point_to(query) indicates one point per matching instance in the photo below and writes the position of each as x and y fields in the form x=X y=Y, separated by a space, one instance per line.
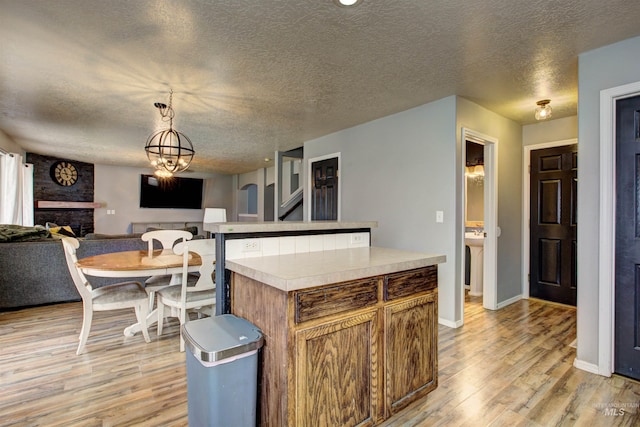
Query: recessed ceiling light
x=347 y=3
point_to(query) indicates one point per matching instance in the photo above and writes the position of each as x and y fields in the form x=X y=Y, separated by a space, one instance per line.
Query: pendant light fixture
x=543 y=109
x=168 y=150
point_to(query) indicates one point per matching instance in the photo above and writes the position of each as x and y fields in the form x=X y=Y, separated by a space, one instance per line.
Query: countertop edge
x=257 y=227
x=413 y=260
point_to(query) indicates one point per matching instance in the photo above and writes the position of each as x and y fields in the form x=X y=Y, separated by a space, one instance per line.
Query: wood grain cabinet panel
x=411 y=363
x=337 y=373
x=407 y=283
x=317 y=303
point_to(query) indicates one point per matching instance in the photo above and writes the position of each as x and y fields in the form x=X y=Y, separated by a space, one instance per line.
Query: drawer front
x=406 y=283
x=316 y=303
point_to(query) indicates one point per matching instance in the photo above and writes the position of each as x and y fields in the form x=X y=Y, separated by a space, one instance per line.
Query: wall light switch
x=439 y=216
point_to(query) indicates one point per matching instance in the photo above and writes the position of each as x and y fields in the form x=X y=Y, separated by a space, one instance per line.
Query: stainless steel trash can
x=222 y=371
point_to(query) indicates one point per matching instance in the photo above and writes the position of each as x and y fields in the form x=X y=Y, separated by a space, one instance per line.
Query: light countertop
x=270 y=226
x=305 y=270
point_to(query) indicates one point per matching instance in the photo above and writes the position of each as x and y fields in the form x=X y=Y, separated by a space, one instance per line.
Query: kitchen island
x=250 y=236
x=350 y=334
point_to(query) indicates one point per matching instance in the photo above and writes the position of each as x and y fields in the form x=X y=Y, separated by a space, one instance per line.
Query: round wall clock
x=64 y=173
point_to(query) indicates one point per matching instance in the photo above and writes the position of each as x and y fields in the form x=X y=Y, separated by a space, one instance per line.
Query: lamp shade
x=215 y=215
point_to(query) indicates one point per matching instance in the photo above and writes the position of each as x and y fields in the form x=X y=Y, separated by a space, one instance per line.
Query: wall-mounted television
x=173 y=193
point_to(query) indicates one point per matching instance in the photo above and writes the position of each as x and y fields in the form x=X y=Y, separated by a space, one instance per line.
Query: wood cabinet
x=345 y=354
x=411 y=363
x=337 y=372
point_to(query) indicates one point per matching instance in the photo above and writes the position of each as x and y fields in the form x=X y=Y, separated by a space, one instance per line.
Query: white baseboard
x=589 y=367
x=510 y=301
x=449 y=323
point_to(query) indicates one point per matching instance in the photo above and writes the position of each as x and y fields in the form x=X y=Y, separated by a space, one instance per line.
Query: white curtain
x=16 y=190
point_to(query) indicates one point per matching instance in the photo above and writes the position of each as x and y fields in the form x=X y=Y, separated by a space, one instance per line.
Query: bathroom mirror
x=474 y=185
x=474 y=200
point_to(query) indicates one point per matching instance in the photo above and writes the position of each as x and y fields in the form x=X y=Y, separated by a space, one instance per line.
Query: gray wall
x=550 y=131
x=399 y=170
x=611 y=66
x=509 y=134
x=7 y=144
x=118 y=188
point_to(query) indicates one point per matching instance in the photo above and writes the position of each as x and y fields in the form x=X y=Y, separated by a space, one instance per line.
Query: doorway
x=553 y=220
x=323 y=186
x=627 y=247
x=526 y=217
x=606 y=232
x=474 y=218
x=490 y=229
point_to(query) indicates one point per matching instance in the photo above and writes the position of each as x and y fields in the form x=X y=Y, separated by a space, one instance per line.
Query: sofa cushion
x=98 y=236
x=19 y=233
x=60 y=231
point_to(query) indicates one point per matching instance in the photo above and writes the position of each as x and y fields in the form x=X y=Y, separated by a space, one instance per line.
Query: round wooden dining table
x=138 y=264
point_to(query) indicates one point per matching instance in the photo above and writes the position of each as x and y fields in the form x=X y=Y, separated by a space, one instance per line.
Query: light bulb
x=346 y=3
x=543 y=109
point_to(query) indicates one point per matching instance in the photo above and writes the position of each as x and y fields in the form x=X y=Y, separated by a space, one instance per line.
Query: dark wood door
x=553 y=216
x=627 y=284
x=324 y=206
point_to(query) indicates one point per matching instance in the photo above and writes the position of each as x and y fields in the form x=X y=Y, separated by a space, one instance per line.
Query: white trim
x=526 y=192
x=607 y=228
x=509 y=301
x=490 y=265
x=589 y=367
x=276 y=186
x=310 y=181
x=449 y=323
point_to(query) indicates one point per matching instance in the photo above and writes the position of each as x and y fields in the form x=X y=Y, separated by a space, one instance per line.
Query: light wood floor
x=505 y=368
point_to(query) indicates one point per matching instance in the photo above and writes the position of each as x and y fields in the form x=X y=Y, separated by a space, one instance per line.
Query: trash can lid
x=220 y=337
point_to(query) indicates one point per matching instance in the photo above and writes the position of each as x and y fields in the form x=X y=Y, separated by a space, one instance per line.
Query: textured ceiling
x=78 y=78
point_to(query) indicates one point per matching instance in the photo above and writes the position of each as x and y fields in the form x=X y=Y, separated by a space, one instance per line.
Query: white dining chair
x=183 y=297
x=111 y=297
x=167 y=239
x=214 y=215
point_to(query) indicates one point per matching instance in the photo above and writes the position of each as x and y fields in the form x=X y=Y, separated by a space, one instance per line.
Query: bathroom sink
x=473 y=239
x=476 y=245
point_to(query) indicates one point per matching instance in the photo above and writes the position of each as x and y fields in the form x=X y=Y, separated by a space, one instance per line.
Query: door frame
x=490 y=261
x=309 y=182
x=607 y=229
x=526 y=205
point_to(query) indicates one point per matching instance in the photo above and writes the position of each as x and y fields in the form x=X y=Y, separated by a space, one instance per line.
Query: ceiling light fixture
x=543 y=109
x=168 y=150
x=475 y=173
x=347 y=3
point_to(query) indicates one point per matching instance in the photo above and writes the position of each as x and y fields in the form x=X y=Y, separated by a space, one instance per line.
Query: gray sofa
x=36 y=273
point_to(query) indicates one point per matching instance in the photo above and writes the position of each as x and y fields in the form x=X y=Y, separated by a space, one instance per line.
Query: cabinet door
x=337 y=373
x=411 y=363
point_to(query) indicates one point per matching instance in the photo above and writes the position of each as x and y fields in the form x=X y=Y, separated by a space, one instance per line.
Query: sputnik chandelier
x=168 y=150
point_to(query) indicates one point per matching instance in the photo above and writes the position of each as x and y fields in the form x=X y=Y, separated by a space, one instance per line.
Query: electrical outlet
x=251 y=245
x=439 y=216
x=357 y=239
